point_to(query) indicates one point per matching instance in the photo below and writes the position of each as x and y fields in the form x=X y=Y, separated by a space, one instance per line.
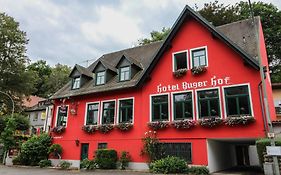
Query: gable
x=75 y=73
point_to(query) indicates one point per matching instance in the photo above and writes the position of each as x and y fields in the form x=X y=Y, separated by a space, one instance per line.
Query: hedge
x=106 y=158
x=261 y=147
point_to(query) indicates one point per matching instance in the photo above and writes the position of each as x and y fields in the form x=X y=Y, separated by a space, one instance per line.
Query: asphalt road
x=6 y=170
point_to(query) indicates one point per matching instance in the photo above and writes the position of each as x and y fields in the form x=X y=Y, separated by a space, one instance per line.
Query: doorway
x=84 y=151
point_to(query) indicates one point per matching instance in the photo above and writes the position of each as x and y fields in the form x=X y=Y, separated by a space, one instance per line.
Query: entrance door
x=84 y=150
x=242 y=154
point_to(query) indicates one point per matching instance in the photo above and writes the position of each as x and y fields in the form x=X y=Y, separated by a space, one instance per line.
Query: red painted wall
x=223 y=62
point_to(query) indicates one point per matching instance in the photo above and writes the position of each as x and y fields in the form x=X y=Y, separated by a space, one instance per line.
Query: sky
x=73 y=31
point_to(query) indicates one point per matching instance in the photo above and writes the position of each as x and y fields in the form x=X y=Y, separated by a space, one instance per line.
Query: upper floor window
x=208 y=103
x=62 y=116
x=126 y=111
x=180 y=60
x=199 y=57
x=159 y=108
x=182 y=106
x=108 y=112
x=125 y=73
x=100 y=78
x=277 y=105
x=92 y=114
x=76 y=83
x=237 y=101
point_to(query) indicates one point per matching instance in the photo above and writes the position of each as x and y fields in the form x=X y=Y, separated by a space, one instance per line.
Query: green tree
x=155 y=36
x=14 y=78
x=57 y=79
x=270 y=15
x=43 y=71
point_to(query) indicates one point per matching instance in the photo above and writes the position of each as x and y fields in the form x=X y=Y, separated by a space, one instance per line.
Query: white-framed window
x=76 y=83
x=125 y=73
x=182 y=105
x=237 y=100
x=108 y=112
x=199 y=57
x=92 y=113
x=36 y=116
x=159 y=107
x=180 y=60
x=100 y=78
x=208 y=103
x=126 y=110
x=62 y=115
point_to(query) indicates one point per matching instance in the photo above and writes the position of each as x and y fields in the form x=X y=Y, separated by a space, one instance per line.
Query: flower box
x=198 y=70
x=184 y=124
x=210 y=122
x=89 y=128
x=104 y=128
x=124 y=126
x=158 y=125
x=239 y=120
x=180 y=72
x=58 y=129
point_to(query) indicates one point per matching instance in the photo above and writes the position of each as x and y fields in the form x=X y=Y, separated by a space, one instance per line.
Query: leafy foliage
x=88 y=164
x=261 y=147
x=155 y=36
x=151 y=146
x=65 y=165
x=200 y=170
x=106 y=158
x=124 y=159
x=7 y=136
x=35 y=149
x=169 y=164
x=15 y=79
x=44 y=163
x=55 y=150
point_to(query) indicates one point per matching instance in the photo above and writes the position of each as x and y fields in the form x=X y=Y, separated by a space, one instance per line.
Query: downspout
x=262 y=109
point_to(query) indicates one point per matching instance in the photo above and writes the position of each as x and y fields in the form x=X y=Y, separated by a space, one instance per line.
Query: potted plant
x=239 y=120
x=210 y=122
x=158 y=125
x=124 y=126
x=184 y=124
x=180 y=72
x=89 y=128
x=58 y=129
x=198 y=70
x=104 y=128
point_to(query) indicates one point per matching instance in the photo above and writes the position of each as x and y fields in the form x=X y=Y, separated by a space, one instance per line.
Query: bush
x=124 y=159
x=56 y=150
x=35 y=149
x=168 y=165
x=106 y=158
x=45 y=163
x=198 y=170
x=261 y=147
x=88 y=164
x=16 y=161
x=64 y=165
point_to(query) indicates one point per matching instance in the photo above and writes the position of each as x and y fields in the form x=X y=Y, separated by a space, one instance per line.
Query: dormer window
x=100 y=78
x=124 y=73
x=76 y=83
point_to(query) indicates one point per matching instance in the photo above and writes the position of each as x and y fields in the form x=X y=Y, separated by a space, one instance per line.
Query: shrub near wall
x=106 y=158
x=261 y=147
x=168 y=165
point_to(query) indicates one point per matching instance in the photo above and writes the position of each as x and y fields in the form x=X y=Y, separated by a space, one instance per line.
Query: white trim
x=150 y=105
x=181 y=92
x=173 y=59
x=66 y=115
x=102 y=102
x=236 y=85
x=197 y=48
x=127 y=98
x=86 y=110
x=196 y=102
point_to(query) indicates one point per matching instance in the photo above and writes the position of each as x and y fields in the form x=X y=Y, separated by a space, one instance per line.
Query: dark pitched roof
x=82 y=70
x=148 y=55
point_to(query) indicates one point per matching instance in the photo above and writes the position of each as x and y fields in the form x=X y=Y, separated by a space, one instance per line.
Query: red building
x=200 y=74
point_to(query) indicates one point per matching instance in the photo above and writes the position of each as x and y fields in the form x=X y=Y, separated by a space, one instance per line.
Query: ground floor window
x=126 y=111
x=182 y=106
x=102 y=145
x=108 y=112
x=182 y=150
x=208 y=103
x=159 y=107
x=62 y=115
